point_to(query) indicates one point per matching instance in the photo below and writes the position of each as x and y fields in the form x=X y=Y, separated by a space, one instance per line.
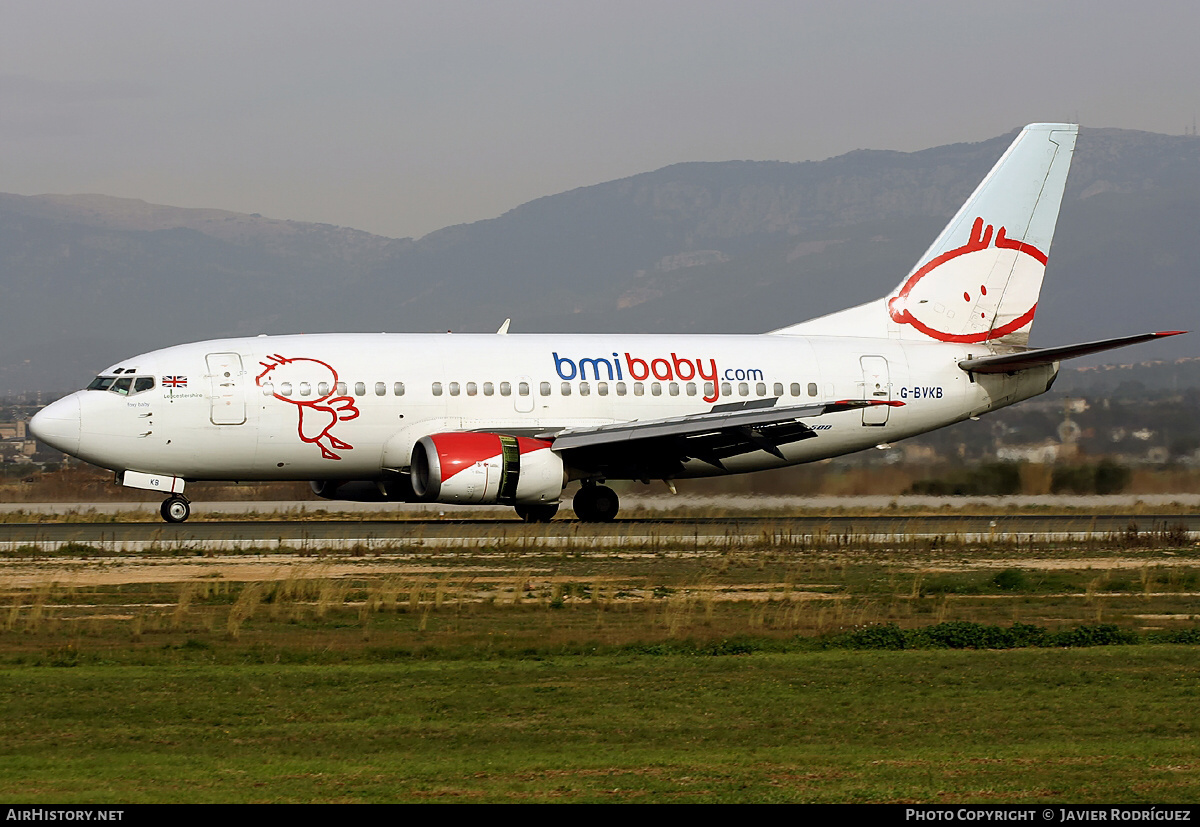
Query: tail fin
x=979 y=281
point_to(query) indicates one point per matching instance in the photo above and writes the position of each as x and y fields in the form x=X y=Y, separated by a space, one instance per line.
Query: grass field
x=676 y=674
x=1112 y=724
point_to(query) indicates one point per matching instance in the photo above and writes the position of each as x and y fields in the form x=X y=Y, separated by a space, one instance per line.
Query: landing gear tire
x=175 y=509
x=537 y=513
x=596 y=504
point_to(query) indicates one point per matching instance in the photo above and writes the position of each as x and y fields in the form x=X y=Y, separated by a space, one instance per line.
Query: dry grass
x=513 y=587
x=547 y=610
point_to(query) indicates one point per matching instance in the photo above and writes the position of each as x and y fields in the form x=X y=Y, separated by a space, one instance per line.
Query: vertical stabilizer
x=979 y=282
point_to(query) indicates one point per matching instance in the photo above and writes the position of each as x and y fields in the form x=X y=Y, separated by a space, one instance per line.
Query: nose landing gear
x=175 y=509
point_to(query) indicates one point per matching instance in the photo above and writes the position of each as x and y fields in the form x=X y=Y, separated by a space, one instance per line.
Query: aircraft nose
x=57 y=424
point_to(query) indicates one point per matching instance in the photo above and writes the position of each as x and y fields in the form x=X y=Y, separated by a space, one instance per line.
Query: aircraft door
x=877 y=386
x=523 y=394
x=227 y=384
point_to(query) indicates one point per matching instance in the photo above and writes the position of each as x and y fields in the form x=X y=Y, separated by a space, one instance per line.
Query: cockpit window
x=123 y=385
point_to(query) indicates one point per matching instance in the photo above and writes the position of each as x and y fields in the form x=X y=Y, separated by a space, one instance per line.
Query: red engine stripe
x=459 y=451
x=528 y=446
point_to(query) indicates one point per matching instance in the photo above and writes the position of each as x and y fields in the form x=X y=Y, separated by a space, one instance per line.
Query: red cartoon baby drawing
x=317 y=414
x=974 y=293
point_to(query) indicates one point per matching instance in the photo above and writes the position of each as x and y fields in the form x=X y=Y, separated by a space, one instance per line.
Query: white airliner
x=515 y=419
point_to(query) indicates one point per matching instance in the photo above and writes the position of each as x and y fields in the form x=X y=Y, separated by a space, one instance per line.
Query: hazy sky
x=404 y=117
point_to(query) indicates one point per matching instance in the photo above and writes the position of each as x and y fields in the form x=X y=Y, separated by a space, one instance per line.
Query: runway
x=660 y=531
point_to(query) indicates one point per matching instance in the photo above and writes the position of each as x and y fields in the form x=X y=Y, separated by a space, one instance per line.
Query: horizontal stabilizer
x=1012 y=362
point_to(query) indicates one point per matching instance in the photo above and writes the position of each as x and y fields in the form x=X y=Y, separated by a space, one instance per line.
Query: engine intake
x=483 y=468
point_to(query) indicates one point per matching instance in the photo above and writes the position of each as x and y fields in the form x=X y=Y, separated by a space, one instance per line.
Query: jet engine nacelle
x=397 y=489
x=483 y=469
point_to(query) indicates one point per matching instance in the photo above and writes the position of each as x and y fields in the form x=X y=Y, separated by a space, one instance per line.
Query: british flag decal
x=174 y=381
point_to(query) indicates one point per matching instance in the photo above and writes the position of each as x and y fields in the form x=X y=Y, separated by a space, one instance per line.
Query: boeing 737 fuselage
x=515 y=419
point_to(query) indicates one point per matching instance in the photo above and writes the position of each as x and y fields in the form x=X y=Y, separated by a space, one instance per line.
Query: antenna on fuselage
x=504 y=327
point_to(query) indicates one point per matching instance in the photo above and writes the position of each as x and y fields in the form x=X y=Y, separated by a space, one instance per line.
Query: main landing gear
x=593 y=504
x=175 y=509
x=596 y=503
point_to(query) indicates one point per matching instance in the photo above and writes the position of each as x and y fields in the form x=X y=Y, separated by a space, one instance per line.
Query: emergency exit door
x=877 y=387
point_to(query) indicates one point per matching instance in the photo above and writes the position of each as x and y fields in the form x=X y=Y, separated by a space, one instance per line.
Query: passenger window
x=812 y=389
x=673 y=389
x=341 y=388
x=655 y=389
x=726 y=389
x=760 y=389
x=398 y=389
x=360 y=388
x=472 y=389
x=795 y=389
x=778 y=389
x=639 y=389
x=620 y=389
x=268 y=389
x=743 y=389
x=437 y=388
x=488 y=388
x=708 y=388
x=305 y=388
x=584 y=389
x=285 y=388
x=523 y=389
x=454 y=389
x=322 y=389
x=143 y=383
x=691 y=388
x=544 y=389
x=565 y=389
x=602 y=389
x=505 y=389
x=381 y=389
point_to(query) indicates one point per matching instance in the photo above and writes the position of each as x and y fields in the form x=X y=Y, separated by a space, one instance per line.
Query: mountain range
x=725 y=247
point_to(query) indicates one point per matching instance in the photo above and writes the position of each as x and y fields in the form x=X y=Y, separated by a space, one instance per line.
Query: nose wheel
x=175 y=509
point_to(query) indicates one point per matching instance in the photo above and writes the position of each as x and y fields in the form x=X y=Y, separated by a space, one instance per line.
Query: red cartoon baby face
x=281 y=369
x=974 y=293
x=317 y=415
